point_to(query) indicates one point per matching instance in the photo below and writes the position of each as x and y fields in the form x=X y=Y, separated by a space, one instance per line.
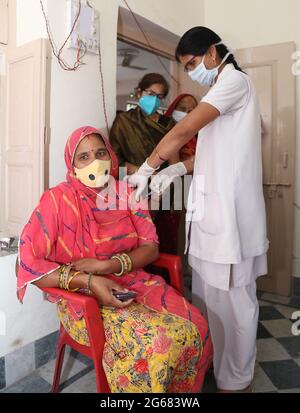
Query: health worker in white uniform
x=226 y=225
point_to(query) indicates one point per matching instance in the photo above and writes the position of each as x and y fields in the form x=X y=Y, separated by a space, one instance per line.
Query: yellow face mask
x=95 y=175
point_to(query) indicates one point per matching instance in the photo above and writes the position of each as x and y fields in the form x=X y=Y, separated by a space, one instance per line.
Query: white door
x=270 y=68
x=3 y=21
x=23 y=136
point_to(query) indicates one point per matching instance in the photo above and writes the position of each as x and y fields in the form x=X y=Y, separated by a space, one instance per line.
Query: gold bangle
x=125 y=262
x=65 y=276
x=128 y=261
x=70 y=279
x=88 y=285
x=60 y=277
x=118 y=274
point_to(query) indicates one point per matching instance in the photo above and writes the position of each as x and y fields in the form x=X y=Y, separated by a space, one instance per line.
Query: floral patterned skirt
x=145 y=351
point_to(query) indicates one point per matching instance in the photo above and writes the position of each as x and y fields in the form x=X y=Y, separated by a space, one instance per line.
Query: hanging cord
x=149 y=43
x=81 y=51
x=101 y=78
x=102 y=88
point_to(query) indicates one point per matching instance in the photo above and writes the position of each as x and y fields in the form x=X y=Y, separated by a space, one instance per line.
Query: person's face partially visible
x=157 y=89
x=90 y=148
x=187 y=104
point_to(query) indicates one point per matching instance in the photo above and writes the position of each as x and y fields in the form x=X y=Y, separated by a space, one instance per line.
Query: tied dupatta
x=50 y=239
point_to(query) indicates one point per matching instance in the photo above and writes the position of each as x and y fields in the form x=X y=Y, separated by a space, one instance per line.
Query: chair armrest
x=88 y=304
x=90 y=307
x=173 y=264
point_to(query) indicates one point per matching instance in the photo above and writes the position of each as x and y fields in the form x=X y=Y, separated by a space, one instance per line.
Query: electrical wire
x=102 y=88
x=149 y=43
x=81 y=51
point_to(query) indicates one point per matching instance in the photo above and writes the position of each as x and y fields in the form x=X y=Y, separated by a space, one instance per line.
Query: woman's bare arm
x=144 y=255
x=101 y=287
x=174 y=159
x=189 y=164
x=52 y=280
x=181 y=134
x=140 y=257
x=131 y=168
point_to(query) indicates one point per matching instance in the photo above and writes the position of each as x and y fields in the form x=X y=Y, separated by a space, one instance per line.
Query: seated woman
x=86 y=234
x=178 y=109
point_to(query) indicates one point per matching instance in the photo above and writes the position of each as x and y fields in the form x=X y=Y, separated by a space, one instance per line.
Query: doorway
x=133 y=63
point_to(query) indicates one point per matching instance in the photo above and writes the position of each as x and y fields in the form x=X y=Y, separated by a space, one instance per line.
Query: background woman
x=135 y=133
x=178 y=110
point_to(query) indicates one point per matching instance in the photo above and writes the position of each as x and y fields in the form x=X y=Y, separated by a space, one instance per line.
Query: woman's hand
x=161 y=181
x=103 y=289
x=140 y=179
x=91 y=265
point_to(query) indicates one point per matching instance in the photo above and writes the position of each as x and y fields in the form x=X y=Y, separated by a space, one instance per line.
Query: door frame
x=163 y=42
x=279 y=173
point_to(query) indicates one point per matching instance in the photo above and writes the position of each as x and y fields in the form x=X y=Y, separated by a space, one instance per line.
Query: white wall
x=76 y=97
x=75 y=101
x=256 y=23
x=24 y=323
x=28 y=30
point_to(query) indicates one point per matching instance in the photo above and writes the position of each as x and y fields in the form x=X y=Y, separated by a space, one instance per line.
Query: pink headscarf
x=72 y=144
x=50 y=238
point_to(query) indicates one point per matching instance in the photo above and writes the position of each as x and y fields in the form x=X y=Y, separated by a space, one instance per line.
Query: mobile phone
x=124 y=296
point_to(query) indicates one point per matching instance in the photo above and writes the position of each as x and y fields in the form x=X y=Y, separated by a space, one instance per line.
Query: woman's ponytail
x=222 y=52
x=198 y=40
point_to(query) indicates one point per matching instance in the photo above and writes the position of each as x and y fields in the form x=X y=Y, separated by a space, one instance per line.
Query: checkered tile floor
x=278 y=350
x=277 y=367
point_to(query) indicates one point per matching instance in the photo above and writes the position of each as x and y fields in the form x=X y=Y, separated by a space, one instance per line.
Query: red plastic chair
x=94 y=324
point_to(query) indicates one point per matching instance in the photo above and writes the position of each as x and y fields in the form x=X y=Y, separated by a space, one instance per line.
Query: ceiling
x=144 y=59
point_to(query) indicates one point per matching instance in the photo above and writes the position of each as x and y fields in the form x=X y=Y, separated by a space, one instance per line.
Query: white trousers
x=232 y=317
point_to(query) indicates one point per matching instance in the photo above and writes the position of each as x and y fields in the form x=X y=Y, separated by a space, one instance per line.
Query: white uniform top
x=229 y=157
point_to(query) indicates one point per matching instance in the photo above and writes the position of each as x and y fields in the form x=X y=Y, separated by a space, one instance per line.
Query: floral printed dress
x=145 y=351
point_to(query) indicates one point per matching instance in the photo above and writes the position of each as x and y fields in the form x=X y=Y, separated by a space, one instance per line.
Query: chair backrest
x=171 y=263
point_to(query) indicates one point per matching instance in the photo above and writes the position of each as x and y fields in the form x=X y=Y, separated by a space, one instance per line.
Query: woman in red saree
x=156 y=343
x=180 y=107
